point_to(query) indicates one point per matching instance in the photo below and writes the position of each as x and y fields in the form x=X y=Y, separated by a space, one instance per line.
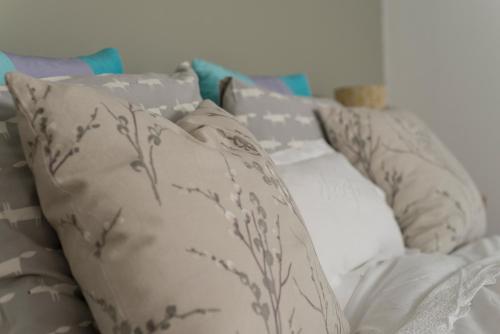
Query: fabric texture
x=37 y=292
x=436 y=203
x=104 y=61
x=339 y=206
x=278 y=121
x=430 y=293
x=185 y=227
x=211 y=75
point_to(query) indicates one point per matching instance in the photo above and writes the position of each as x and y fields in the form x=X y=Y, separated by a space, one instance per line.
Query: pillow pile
x=119 y=185
x=37 y=292
x=338 y=204
x=436 y=203
x=211 y=75
x=169 y=209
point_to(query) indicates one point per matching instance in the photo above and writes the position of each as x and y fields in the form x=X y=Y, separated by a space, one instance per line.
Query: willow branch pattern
x=101 y=241
x=164 y=324
x=356 y=139
x=56 y=157
x=253 y=229
x=128 y=128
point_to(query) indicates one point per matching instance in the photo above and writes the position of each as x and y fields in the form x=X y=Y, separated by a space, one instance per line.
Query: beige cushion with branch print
x=436 y=203
x=178 y=228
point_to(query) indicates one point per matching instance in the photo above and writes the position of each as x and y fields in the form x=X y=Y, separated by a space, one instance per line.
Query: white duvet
x=428 y=293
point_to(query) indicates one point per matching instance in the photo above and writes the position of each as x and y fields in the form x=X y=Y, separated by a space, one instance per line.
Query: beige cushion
x=182 y=227
x=436 y=203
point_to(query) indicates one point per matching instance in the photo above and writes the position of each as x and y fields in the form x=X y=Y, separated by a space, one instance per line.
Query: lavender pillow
x=105 y=61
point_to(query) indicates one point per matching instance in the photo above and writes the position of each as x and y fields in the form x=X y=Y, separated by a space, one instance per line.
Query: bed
x=371 y=204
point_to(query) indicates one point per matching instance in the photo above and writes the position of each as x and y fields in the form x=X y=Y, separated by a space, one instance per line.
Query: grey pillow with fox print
x=184 y=227
x=278 y=121
x=436 y=203
x=37 y=292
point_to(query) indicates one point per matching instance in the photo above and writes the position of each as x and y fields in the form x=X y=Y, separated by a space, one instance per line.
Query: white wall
x=442 y=60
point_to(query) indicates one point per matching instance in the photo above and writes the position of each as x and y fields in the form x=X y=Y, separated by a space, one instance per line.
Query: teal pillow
x=210 y=75
x=298 y=84
x=104 y=61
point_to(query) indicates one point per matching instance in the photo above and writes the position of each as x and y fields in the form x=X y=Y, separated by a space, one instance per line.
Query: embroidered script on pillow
x=184 y=228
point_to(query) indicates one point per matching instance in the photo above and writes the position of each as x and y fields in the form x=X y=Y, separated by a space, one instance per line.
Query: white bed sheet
x=484 y=315
x=427 y=293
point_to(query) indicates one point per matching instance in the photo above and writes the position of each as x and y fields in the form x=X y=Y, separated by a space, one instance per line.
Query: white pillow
x=347 y=215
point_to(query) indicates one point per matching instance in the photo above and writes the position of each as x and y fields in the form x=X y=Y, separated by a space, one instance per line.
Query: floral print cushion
x=436 y=203
x=178 y=228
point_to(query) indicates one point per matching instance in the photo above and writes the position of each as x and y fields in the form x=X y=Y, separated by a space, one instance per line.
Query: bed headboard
x=336 y=42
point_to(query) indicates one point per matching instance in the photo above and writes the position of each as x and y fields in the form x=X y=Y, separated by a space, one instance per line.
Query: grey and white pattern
x=278 y=121
x=436 y=203
x=29 y=248
x=172 y=227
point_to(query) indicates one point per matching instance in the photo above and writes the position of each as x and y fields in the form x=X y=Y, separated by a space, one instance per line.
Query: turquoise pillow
x=210 y=75
x=104 y=61
x=298 y=84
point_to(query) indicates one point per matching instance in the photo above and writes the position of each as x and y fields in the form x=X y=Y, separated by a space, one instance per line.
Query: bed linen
x=427 y=293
